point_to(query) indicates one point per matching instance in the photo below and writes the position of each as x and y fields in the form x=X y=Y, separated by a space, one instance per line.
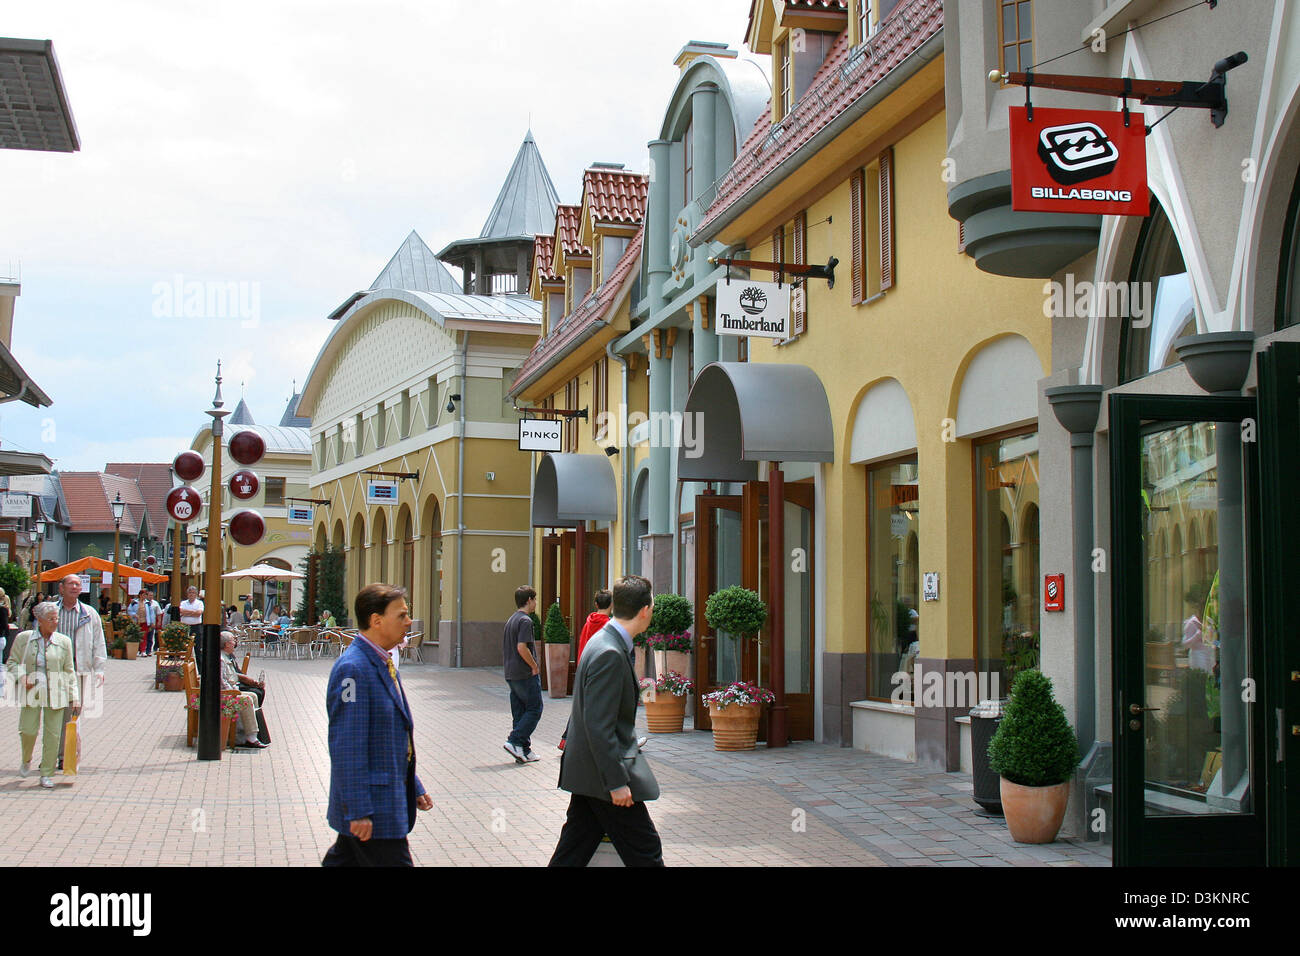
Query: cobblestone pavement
x=142 y=799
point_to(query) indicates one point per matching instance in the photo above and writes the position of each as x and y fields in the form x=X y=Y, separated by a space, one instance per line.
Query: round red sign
x=247 y=447
x=244 y=484
x=151 y=560
x=188 y=466
x=183 y=503
x=247 y=527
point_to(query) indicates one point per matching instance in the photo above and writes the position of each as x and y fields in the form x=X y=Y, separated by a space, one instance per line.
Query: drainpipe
x=460 y=503
x=626 y=455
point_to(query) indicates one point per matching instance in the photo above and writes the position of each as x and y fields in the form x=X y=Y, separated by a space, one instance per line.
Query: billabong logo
x=1076 y=152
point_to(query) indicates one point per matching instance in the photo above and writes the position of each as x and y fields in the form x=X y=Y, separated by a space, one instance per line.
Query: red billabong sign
x=1078 y=161
x=1054 y=592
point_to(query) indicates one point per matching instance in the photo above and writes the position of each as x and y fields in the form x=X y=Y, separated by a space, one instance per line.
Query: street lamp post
x=119 y=508
x=210 y=680
x=40 y=547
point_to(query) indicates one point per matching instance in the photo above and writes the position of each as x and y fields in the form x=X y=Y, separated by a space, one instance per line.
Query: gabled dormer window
x=865 y=27
x=784 y=80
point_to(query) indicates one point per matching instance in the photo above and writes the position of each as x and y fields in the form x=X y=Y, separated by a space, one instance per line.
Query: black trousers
x=349 y=851
x=630 y=829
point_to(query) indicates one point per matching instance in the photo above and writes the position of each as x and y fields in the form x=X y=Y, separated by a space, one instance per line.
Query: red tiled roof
x=154 y=480
x=846 y=75
x=591 y=310
x=839 y=5
x=615 y=195
x=543 y=256
x=88 y=494
x=566 y=227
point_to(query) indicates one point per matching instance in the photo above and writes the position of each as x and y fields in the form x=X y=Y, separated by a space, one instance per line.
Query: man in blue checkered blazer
x=374 y=791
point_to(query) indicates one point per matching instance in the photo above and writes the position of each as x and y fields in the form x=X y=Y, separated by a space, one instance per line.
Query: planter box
x=557 y=669
x=132 y=650
x=735 y=727
x=665 y=714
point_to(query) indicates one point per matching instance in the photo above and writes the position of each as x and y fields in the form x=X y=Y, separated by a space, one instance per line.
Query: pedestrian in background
x=45 y=679
x=595 y=620
x=86 y=631
x=518 y=648
x=374 y=790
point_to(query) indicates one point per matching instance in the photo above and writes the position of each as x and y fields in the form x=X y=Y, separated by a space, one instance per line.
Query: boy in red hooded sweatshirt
x=595 y=620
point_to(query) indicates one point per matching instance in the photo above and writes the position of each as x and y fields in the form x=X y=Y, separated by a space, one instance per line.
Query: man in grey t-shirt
x=519 y=653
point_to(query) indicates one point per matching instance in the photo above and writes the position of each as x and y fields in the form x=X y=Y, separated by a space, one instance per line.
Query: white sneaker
x=531 y=757
x=641 y=742
x=47 y=783
x=24 y=770
x=516 y=752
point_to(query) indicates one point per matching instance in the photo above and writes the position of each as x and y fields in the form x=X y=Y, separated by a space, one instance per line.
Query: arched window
x=1288 y=273
x=1165 y=290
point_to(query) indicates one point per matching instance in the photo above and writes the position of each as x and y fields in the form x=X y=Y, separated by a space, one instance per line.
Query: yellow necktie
x=392 y=672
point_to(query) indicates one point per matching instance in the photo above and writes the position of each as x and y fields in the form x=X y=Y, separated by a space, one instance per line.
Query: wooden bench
x=191 y=682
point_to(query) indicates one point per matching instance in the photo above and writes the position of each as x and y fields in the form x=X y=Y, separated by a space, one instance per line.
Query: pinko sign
x=1078 y=161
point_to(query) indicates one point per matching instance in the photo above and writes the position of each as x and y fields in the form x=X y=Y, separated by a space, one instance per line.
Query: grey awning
x=754 y=412
x=573 y=488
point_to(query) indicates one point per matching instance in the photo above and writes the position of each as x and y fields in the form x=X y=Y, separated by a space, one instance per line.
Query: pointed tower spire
x=526 y=204
x=416 y=269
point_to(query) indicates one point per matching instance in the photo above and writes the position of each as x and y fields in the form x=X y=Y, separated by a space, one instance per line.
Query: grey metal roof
x=291 y=418
x=285 y=441
x=415 y=267
x=241 y=415
x=497 y=308
x=34 y=111
x=525 y=207
x=15 y=384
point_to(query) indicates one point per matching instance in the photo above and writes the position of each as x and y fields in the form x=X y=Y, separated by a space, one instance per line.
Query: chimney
x=698 y=48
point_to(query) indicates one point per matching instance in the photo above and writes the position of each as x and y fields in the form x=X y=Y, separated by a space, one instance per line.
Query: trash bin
x=986 y=785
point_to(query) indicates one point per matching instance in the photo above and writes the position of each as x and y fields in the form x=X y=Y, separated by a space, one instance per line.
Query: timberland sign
x=754 y=308
x=1078 y=161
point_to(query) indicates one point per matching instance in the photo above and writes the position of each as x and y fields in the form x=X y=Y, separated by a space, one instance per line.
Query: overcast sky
x=287 y=147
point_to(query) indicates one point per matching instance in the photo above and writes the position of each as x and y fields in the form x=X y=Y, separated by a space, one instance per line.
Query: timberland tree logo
x=753 y=300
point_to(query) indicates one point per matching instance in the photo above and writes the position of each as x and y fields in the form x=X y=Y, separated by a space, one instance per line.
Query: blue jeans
x=525 y=709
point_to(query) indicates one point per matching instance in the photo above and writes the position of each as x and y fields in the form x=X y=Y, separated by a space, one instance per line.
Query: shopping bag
x=71 y=748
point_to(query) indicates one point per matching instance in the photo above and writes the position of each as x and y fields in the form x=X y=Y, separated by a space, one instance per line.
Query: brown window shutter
x=886 y=224
x=855 y=227
x=961 y=237
x=778 y=251
x=799 y=315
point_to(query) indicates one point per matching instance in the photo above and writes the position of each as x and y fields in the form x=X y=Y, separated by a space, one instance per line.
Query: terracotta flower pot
x=1034 y=814
x=665 y=714
x=173 y=681
x=735 y=727
x=117 y=653
x=132 y=649
x=557 y=669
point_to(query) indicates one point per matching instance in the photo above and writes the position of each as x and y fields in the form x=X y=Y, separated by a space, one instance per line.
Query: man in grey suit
x=601 y=767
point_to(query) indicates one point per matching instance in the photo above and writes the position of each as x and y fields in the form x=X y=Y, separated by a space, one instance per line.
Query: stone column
x=658 y=223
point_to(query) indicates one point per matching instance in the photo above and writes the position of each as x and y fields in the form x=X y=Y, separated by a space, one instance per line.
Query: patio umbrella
x=82 y=565
x=265 y=572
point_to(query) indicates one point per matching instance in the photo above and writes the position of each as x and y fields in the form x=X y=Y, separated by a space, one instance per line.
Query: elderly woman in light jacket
x=43 y=675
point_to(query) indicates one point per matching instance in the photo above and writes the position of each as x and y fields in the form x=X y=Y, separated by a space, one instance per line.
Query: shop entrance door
x=731 y=540
x=1190 y=708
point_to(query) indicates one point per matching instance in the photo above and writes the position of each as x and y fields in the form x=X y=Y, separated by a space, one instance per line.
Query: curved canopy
x=572 y=488
x=82 y=565
x=742 y=413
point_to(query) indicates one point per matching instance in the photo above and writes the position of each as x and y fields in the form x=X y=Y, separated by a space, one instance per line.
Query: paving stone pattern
x=143 y=799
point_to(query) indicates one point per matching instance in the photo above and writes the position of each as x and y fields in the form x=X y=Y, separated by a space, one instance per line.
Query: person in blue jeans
x=518 y=649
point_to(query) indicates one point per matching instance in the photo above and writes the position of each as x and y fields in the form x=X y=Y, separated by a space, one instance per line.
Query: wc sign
x=1078 y=161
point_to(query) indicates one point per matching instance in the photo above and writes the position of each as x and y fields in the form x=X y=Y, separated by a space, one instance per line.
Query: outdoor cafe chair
x=414 y=638
x=301 y=639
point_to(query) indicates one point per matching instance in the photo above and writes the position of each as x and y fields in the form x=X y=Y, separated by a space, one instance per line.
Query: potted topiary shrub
x=664 y=699
x=734 y=711
x=556 y=637
x=736 y=611
x=668 y=635
x=131 y=635
x=1035 y=751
